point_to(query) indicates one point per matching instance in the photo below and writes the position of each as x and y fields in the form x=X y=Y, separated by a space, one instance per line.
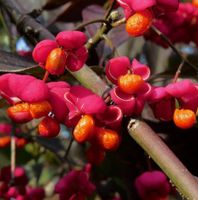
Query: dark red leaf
x=73 y=13
x=10 y=62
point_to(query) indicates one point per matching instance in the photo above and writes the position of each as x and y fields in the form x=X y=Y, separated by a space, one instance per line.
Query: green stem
x=186 y=184
x=110 y=8
x=90 y=80
x=119 y=22
x=92 y=42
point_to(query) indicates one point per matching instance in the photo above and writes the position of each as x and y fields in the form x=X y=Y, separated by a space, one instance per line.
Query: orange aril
x=49 y=127
x=40 y=109
x=108 y=139
x=20 y=113
x=195 y=3
x=56 y=61
x=84 y=128
x=130 y=83
x=5 y=141
x=139 y=23
x=184 y=118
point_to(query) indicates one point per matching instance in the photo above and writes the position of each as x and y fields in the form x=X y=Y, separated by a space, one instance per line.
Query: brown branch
x=186 y=184
x=26 y=24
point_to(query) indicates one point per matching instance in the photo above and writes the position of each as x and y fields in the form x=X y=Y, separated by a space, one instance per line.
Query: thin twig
x=119 y=22
x=111 y=6
x=170 y=44
x=178 y=72
x=83 y=25
x=69 y=148
x=104 y=29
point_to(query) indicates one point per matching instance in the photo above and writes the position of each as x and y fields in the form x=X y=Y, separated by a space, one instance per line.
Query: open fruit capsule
x=184 y=118
x=108 y=140
x=130 y=83
x=139 y=23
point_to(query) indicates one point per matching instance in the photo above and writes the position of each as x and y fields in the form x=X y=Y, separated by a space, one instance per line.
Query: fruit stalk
x=13 y=153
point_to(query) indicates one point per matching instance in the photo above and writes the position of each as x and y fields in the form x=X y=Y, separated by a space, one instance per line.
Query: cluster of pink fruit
x=19 y=188
x=177 y=25
x=163 y=101
x=139 y=16
x=132 y=92
x=77 y=107
x=61 y=103
x=172 y=18
x=153 y=185
x=66 y=52
x=75 y=185
x=92 y=120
